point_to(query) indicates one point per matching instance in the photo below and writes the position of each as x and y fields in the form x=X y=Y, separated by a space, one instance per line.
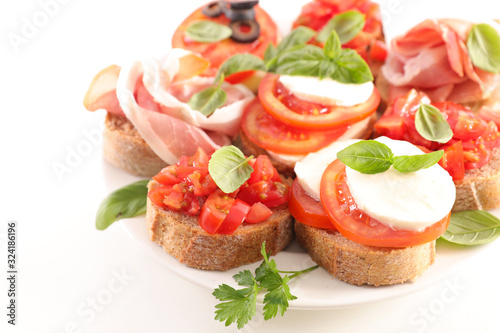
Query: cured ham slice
x=174 y=95
x=433 y=57
x=102 y=91
x=168 y=137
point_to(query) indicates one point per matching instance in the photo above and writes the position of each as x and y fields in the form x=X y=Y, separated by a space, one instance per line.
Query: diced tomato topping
x=188 y=187
x=474 y=136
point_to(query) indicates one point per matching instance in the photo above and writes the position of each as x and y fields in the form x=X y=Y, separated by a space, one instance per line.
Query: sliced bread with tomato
x=375 y=224
x=471 y=149
x=217 y=227
x=156 y=112
x=221 y=29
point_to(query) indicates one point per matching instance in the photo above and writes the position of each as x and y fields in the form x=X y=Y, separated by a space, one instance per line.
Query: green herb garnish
x=472 y=227
x=431 y=124
x=371 y=157
x=483 y=45
x=128 y=201
x=229 y=168
x=347 y=25
x=239 y=305
x=210 y=99
x=208 y=31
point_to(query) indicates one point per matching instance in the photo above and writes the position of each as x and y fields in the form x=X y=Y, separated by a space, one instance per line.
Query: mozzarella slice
x=310 y=170
x=408 y=201
x=327 y=91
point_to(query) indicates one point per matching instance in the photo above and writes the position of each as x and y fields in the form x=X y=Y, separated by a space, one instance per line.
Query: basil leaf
x=229 y=168
x=332 y=46
x=368 y=157
x=347 y=25
x=483 y=44
x=128 y=201
x=240 y=63
x=208 y=31
x=351 y=68
x=294 y=40
x=304 y=61
x=208 y=100
x=472 y=227
x=416 y=162
x=431 y=125
x=270 y=53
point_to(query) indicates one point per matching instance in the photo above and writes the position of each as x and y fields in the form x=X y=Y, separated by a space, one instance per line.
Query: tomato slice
x=307 y=210
x=336 y=117
x=268 y=133
x=234 y=218
x=358 y=226
x=258 y=213
x=220 y=51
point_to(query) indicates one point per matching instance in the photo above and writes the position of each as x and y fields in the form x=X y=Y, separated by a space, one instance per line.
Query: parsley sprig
x=239 y=305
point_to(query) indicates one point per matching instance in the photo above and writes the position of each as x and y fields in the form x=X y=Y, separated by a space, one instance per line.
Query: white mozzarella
x=327 y=91
x=310 y=170
x=408 y=201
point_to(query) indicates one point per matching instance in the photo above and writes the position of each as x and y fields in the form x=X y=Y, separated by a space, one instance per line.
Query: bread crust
x=480 y=188
x=181 y=236
x=126 y=149
x=360 y=264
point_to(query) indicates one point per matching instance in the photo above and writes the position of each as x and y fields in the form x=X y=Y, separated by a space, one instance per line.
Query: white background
x=68 y=270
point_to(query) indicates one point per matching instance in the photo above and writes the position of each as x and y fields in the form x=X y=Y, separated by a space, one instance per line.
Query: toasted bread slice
x=124 y=148
x=480 y=188
x=181 y=236
x=360 y=264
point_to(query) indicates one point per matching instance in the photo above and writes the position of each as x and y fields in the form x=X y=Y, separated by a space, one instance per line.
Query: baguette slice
x=126 y=149
x=480 y=188
x=181 y=236
x=360 y=264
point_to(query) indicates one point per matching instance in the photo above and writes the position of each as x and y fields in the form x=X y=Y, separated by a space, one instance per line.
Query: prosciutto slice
x=169 y=137
x=433 y=57
x=173 y=96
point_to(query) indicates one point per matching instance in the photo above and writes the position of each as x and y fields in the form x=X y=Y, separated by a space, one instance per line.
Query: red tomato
x=218 y=52
x=268 y=133
x=237 y=213
x=307 y=210
x=335 y=117
x=358 y=226
x=239 y=77
x=258 y=213
x=175 y=198
x=263 y=169
x=269 y=193
x=214 y=211
x=453 y=160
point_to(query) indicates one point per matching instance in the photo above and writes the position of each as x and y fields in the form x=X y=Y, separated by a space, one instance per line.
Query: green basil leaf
x=208 y=100
x=431 y=125
x=350 y=67
x=472 y=227
x=416 y=162
x=332 y=46
x=304 y=61
x=239 y=63
x=483 y=44
x=368 y=157
x=347 y=25
x=229 y=168
x=128 y=201
x=208 y=31
x=270 y=53
x=293 y=41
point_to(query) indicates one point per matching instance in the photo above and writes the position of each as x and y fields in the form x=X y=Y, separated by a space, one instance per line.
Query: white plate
x=314 y=290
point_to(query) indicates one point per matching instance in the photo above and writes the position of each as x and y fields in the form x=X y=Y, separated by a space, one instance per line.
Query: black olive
x=243 y=4
x=245 y=31
x=236 y=14
x=213 y=9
